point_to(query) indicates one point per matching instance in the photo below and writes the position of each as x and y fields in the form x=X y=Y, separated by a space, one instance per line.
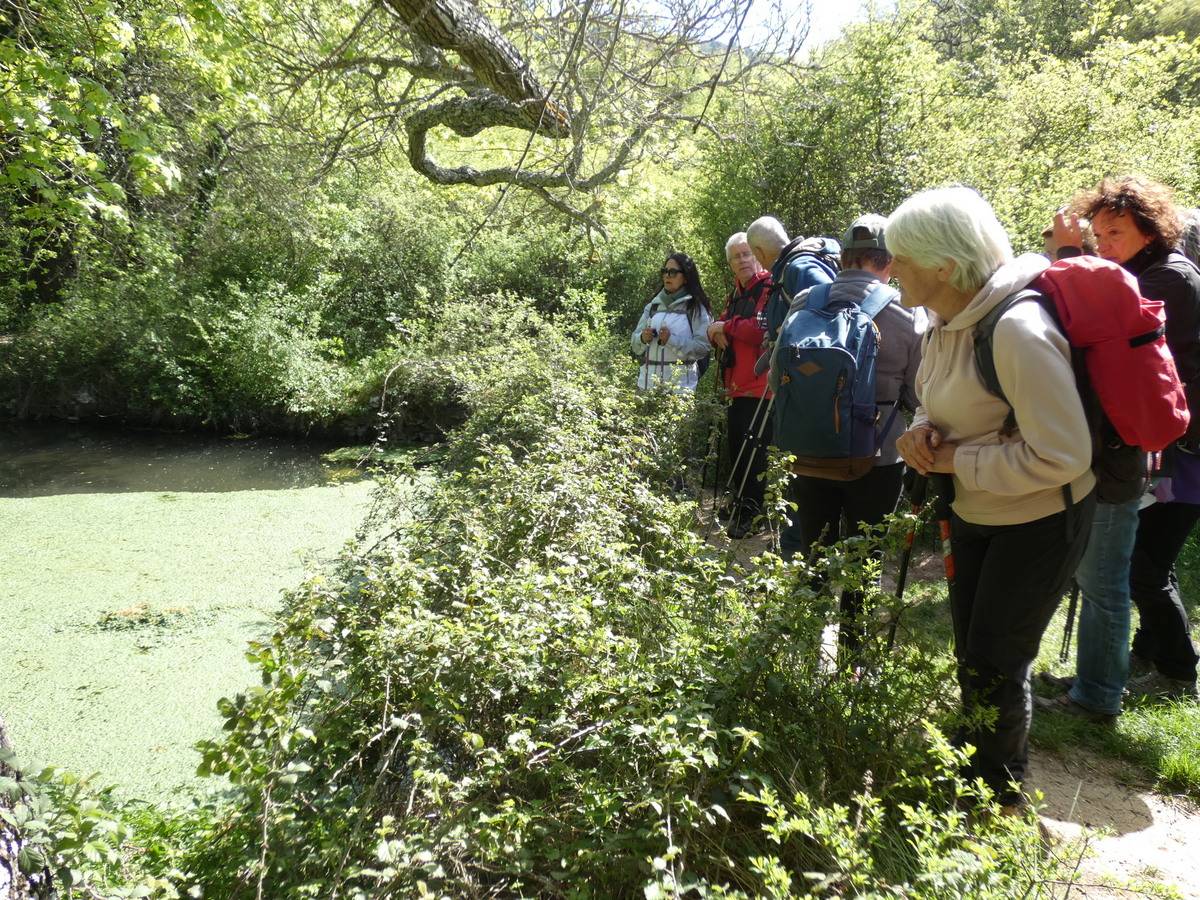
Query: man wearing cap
x=823 y=505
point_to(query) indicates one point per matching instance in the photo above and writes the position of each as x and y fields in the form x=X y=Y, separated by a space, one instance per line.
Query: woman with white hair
x=1014 y=539
x=738 y=338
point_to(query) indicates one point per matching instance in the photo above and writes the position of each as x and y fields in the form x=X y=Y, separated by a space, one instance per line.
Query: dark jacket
x=1169 y=276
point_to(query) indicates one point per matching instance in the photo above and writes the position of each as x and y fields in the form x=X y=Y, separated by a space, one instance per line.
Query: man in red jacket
x=738 y=336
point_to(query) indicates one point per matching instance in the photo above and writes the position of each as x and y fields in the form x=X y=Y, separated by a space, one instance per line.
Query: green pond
x=134 y=567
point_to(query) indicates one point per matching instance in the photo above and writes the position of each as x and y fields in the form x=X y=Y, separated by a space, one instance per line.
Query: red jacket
x=745 y=327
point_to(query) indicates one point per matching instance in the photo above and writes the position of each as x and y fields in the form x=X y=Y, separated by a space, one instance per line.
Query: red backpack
x=1117 y=335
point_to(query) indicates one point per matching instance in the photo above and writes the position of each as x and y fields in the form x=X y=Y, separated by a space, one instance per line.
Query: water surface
x=38 y=460
x=134 y=567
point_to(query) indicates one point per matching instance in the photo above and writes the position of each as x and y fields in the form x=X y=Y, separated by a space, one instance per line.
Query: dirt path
x=1135 y=839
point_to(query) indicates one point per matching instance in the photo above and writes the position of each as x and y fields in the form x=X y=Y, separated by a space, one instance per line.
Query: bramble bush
x=63 y=836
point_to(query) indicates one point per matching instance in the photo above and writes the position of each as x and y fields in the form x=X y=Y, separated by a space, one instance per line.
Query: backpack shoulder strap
x=985 y=347
x=985 y=334
x=876 y=301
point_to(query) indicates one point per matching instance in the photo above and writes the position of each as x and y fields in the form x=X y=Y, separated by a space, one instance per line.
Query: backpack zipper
x=837 y=413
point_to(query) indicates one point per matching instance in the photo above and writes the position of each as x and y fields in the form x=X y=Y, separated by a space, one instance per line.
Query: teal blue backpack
x=825 y=409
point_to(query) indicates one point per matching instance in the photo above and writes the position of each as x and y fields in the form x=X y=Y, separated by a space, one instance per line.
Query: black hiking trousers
x=747 y=450
x=1164 y=631
x=1008 y=581
x=828 y=511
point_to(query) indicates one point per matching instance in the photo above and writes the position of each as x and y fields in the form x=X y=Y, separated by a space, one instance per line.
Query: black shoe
x=747 y=522
x=727 y=511
x=1139 y=665
x=1054 y=682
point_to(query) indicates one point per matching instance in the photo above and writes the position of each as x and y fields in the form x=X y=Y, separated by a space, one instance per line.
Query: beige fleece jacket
x=1019 y=478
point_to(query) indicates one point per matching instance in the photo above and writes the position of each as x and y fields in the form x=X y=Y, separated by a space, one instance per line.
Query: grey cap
x=866 y=233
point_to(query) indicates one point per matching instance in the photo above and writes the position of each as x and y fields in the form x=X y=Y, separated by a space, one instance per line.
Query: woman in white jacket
x=672 y=334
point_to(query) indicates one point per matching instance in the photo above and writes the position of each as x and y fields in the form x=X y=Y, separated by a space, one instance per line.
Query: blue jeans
x=1102 y=660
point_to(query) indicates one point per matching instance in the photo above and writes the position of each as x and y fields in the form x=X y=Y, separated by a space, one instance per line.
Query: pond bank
x=135 y=568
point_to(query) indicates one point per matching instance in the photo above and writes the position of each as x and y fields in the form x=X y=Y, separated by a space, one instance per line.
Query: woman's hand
x=943 y=457
x=647 y=334
x=923 y=449
x=716 y=335
x=1067 y=231
x=664 y=334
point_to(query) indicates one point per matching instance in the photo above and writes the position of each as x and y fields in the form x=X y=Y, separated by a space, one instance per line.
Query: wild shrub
x=143 y=350
x=63 y=836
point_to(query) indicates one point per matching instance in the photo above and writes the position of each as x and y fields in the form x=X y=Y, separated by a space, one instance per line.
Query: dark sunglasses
x=672 y=272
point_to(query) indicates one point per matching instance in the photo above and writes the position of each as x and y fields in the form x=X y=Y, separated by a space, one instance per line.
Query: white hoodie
x=1007 y=480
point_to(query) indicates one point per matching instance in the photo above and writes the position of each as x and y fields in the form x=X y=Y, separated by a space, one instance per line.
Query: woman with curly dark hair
x=1131 y=555
x=672 y=333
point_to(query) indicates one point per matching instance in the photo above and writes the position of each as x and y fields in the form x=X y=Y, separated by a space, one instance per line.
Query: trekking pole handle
x=919 y=492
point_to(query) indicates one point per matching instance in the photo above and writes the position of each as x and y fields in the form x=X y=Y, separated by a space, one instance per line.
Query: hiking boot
x=1139 y=666
x=1021 y=809
x=726 y=511
x=1055 y=682
x=1157 y=686
x=744 y=525
x=1065 y=705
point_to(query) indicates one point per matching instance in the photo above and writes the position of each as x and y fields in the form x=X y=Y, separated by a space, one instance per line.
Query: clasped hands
x=648 y=334
x=924 y=449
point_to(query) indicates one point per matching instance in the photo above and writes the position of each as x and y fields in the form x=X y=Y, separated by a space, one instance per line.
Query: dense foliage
x=895 y=106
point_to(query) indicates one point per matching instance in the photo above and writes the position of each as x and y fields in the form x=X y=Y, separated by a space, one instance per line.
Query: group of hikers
x=1048 y=400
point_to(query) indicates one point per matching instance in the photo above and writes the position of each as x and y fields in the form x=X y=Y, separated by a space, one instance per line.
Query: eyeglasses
x=672 y=272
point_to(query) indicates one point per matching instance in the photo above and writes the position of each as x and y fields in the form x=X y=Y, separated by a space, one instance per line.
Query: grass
x=126 y=616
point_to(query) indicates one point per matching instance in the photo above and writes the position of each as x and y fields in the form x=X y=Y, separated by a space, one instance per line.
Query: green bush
x=140 y=350
x=61 y=836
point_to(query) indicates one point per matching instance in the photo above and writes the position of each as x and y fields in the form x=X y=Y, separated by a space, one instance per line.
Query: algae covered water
x=42 y=460
x=134 y=567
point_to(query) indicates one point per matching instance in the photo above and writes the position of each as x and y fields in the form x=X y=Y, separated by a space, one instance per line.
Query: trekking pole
x=715 y=434
x=1072 y=606
x=756 y=443
x=746 y=440
x=720 y=425
x=944 y=486
x=919 y=492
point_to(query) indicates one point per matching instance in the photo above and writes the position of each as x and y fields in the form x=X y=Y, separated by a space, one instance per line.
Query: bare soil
x=1127 y=840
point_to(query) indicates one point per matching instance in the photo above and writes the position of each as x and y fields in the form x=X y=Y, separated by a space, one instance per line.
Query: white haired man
x=795 y=265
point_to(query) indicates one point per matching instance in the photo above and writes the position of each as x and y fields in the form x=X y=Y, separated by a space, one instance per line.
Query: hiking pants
x=1102 y=658
x=1163 y=636
x=1008 y=581
x=746 y=416
x=828 y=511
